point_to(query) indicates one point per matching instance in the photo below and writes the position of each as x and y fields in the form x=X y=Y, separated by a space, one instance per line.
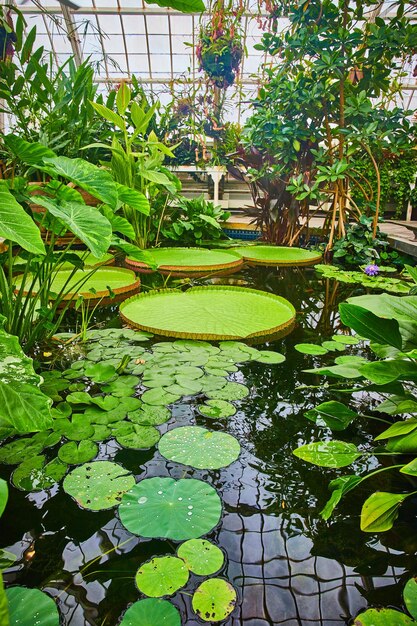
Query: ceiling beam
x=72 y=34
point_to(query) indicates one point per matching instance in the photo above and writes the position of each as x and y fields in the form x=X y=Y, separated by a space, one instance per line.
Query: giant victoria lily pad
x=92 y=285
x=99 y=485
x=199 y=448
x=209 y=313
x=171 y=509
x=278 y=255
x=190 y=261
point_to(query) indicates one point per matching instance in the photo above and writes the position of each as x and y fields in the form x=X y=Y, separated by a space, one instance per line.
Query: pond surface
x=287 y=565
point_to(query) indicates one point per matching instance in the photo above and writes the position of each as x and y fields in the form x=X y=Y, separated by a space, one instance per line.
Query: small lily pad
x=269 y=357
x=74 y=453
x=98 y=485
x=217 y=409
x=159 y=397
x=333 y=345
x=348 y=340
x=383 y=617
x=151 y=612
x=214 y=600
x=199 y=447
x=77 y=431
x=201 y=556
x=99 y=372
x=161 y=576
x=36 y=475
x=107 y=403
x=141 y=438
x=310 y=348
x=231 y=391
x=171 y=509
x=149 y=415
x=18 y=451
x=79 y=397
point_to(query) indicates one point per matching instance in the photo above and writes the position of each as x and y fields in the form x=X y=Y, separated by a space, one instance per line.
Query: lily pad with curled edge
x=310 y=348
x=170 y=509
x=217 y=409
x=199 y=447
x=35 y=474
x=74 y=453
x=159 y=397
x=383 y=617
x=201 y=556
x=214 y=600
x=231 y=391
x=142 y=438
x=278 y=255
x=161 y=576
x=269 y=357
x=98 y=485
x=151 y=612
x=28 y=607
x=149 y=415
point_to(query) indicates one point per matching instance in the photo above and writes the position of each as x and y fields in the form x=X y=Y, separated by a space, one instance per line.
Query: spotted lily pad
x=28 y=607
x=36 y=475
x=214 y=600
x=199 y=447
x=99 y=485
x=383 y=617
x=140 y=438
x=151 y=612
x=201 y=556
x=171 y=509
x=231 y=391
x=161 y=576
x=217 y=409
x=74 y=453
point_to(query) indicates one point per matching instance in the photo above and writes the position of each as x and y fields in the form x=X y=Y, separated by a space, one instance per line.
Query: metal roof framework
x=129 y=37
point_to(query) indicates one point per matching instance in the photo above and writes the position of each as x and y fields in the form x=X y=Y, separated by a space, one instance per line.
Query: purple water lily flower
x=372 y=270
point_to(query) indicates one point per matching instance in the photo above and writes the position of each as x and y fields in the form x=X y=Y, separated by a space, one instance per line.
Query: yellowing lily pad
x=214 y=600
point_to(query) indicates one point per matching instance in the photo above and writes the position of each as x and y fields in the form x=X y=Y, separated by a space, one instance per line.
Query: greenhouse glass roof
x=129 y=37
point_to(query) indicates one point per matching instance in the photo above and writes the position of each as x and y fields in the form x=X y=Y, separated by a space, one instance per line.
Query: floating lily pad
x=36 y=475
x=269 y=357
x=209 y=312
x=193 y=262
x=310 y=348
x=107 y=403
x=28 y=607
x=151 y=612
x=99 y=372
x=199 y=447
x=188 y=388
x=278 y=255
x=161 y=576
x=74 y=453
x=159 y=397
x=142 y=437
x=333 y=345
x=17 y=451
x=348 y=340
x=149 y=415
x=171 y=509
x=201 y=556
x=217 y=409
x=79 y=397
x=214 y=600
x=383 y=617
x=99 y=485
x=212 y=382
x=231 y=391
x=77 y=431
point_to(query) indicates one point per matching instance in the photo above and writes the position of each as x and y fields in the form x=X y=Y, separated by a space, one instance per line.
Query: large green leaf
x=199 y=448
x=17 y=225
x=31 y=153
x=383 y=372
x=185 y=6
x=86 y=222
x=133 y=198
x=380 y=511
x=151 y=612
x=161 y=576
x=335 y=415
x=4 y=605
x=369 y=325
x=89 y=177
x=24 y=407
x=328 y=453
x=339 y=486
x=172 y=509
x=214 y=600
x=28 y=607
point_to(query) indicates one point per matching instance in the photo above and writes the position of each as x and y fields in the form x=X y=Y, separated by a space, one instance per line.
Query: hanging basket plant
x=219 y=54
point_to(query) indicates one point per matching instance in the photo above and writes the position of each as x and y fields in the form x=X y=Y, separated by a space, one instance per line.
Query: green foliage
x=214 y=600
x=194 y=220
x=161 y=576
x=199 y=448
x=31 y=606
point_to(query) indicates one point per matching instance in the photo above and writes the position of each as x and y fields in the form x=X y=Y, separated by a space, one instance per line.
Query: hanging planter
x=219 y=53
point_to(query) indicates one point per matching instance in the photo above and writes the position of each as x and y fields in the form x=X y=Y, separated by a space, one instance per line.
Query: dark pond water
x=287 y=565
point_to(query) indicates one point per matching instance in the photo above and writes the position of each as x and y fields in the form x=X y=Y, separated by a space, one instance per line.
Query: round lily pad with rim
x=161 y=576
x=231 y=391
x=201 y=556
x=213 y=312
x=170 y=509
x=98 y=485
x=31 y=606
x=151 y=612
x=192 y=262
x=199 y=447
x=214 y=600
x=278 y=255
x=141 y=438
x=217 y=409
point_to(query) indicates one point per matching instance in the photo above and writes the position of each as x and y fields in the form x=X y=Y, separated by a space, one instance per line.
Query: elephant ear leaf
x=16 y=225
x=369 y=325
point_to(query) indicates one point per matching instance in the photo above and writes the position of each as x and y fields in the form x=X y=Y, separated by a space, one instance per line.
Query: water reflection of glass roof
x=128 y=37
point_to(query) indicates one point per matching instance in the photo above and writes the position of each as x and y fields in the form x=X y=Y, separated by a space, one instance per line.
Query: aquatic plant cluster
x=120 y=390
